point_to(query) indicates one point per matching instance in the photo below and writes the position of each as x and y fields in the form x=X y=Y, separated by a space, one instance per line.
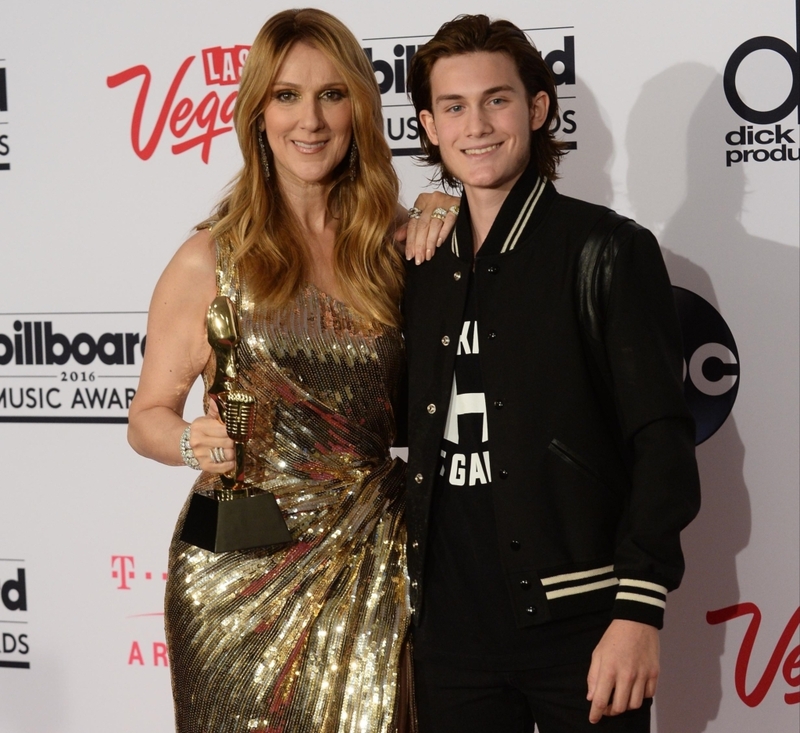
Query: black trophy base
x=234 y=524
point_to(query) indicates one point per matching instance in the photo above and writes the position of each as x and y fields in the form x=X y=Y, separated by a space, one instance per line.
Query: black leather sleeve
x=645 y=360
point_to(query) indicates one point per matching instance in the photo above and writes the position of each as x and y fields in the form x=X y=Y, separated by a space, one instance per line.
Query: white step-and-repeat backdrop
x=115 y=138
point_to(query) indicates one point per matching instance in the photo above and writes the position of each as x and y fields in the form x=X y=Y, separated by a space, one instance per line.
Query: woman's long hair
x=265 y=235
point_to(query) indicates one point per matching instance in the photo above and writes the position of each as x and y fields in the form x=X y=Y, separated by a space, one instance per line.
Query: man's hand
x=624 y=668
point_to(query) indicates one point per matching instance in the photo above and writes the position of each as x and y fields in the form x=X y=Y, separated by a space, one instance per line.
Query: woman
x=308 y=637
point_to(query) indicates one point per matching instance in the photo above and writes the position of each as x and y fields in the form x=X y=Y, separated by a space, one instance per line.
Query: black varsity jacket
x=594 y=478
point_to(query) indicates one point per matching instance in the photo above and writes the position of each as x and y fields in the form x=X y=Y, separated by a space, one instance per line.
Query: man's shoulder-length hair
x=476 y=33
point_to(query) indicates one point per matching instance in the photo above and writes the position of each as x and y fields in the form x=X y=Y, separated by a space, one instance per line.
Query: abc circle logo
x=783 y=110
x=711 y=362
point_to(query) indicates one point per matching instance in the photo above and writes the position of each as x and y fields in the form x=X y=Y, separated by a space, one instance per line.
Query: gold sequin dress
x=305 y=639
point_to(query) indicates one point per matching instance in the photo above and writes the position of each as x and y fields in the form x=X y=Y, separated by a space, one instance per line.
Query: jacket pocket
x=574 y=460
x=579 y=511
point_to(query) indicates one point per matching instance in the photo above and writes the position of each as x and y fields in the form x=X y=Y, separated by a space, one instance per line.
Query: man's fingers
x=624 y=668
x=601 y=697
x=638 y=694
x=621 y=698
x=597 y=712
x=591 y=678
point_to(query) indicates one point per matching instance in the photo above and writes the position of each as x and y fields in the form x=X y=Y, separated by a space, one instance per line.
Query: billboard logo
x=400 y=125
x=13 y=593
x=711 y=362
x=35 y=342
x=69 y=367
x=391 y=56
x=14 y=644
x=772 y=141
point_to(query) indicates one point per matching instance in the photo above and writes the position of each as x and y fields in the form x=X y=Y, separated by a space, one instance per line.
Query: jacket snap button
x=491 y=335
x=414 y=584
x=431 y=408
x=498 y=404
x=492 y=269
x=515 y=545
x=503 y=473
x=456 y=276
x=418 y=478
x=415 y=544
x=525 y=584
x=445 y=340
x=531 y=610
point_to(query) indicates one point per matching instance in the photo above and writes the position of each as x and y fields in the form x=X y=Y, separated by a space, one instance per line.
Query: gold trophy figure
x=234 y=515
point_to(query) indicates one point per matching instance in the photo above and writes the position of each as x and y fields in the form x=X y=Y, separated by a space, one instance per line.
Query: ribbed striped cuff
x=584 y=581
x=640 y=600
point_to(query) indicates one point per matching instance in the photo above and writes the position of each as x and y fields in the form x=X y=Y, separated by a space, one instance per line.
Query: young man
x=551 y=454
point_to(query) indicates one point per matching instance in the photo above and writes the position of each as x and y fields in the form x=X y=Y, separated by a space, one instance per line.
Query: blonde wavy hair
x=265 y=235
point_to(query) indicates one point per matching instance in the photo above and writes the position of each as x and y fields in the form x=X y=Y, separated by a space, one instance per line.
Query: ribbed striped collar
x=514 y=220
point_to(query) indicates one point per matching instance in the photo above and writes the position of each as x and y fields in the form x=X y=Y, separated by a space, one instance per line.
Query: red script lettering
x=791 y=665
x=191 y=124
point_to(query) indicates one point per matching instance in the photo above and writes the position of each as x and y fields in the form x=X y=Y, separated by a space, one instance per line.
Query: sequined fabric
x=305 y=639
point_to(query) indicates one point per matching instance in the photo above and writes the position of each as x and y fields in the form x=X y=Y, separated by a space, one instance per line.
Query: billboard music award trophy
x=233 y=515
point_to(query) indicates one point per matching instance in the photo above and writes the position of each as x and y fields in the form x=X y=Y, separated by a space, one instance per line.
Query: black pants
x=452 y=699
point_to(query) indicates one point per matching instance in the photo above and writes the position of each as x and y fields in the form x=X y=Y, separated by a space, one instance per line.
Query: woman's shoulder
x=193 y=266
x=198 y=251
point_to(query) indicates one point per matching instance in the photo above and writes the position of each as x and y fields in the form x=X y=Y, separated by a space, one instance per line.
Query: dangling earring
x=353 y=159
x=261 y=135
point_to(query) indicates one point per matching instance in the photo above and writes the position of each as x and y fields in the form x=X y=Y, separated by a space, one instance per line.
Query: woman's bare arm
x=177 y=350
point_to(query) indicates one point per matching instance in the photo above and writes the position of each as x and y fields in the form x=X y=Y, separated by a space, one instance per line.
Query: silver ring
x=438 y=213
x=454 y=209
x=414 y=212
x=218 y=454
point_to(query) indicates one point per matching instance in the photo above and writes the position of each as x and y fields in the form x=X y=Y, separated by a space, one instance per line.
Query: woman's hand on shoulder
x=427 y=224
x=177 y=349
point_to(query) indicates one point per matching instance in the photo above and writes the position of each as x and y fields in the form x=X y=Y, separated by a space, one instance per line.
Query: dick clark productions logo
x=767 y=138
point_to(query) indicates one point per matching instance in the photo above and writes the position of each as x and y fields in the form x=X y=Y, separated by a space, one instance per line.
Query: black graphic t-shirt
x=465 y=446
x=468 y=612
